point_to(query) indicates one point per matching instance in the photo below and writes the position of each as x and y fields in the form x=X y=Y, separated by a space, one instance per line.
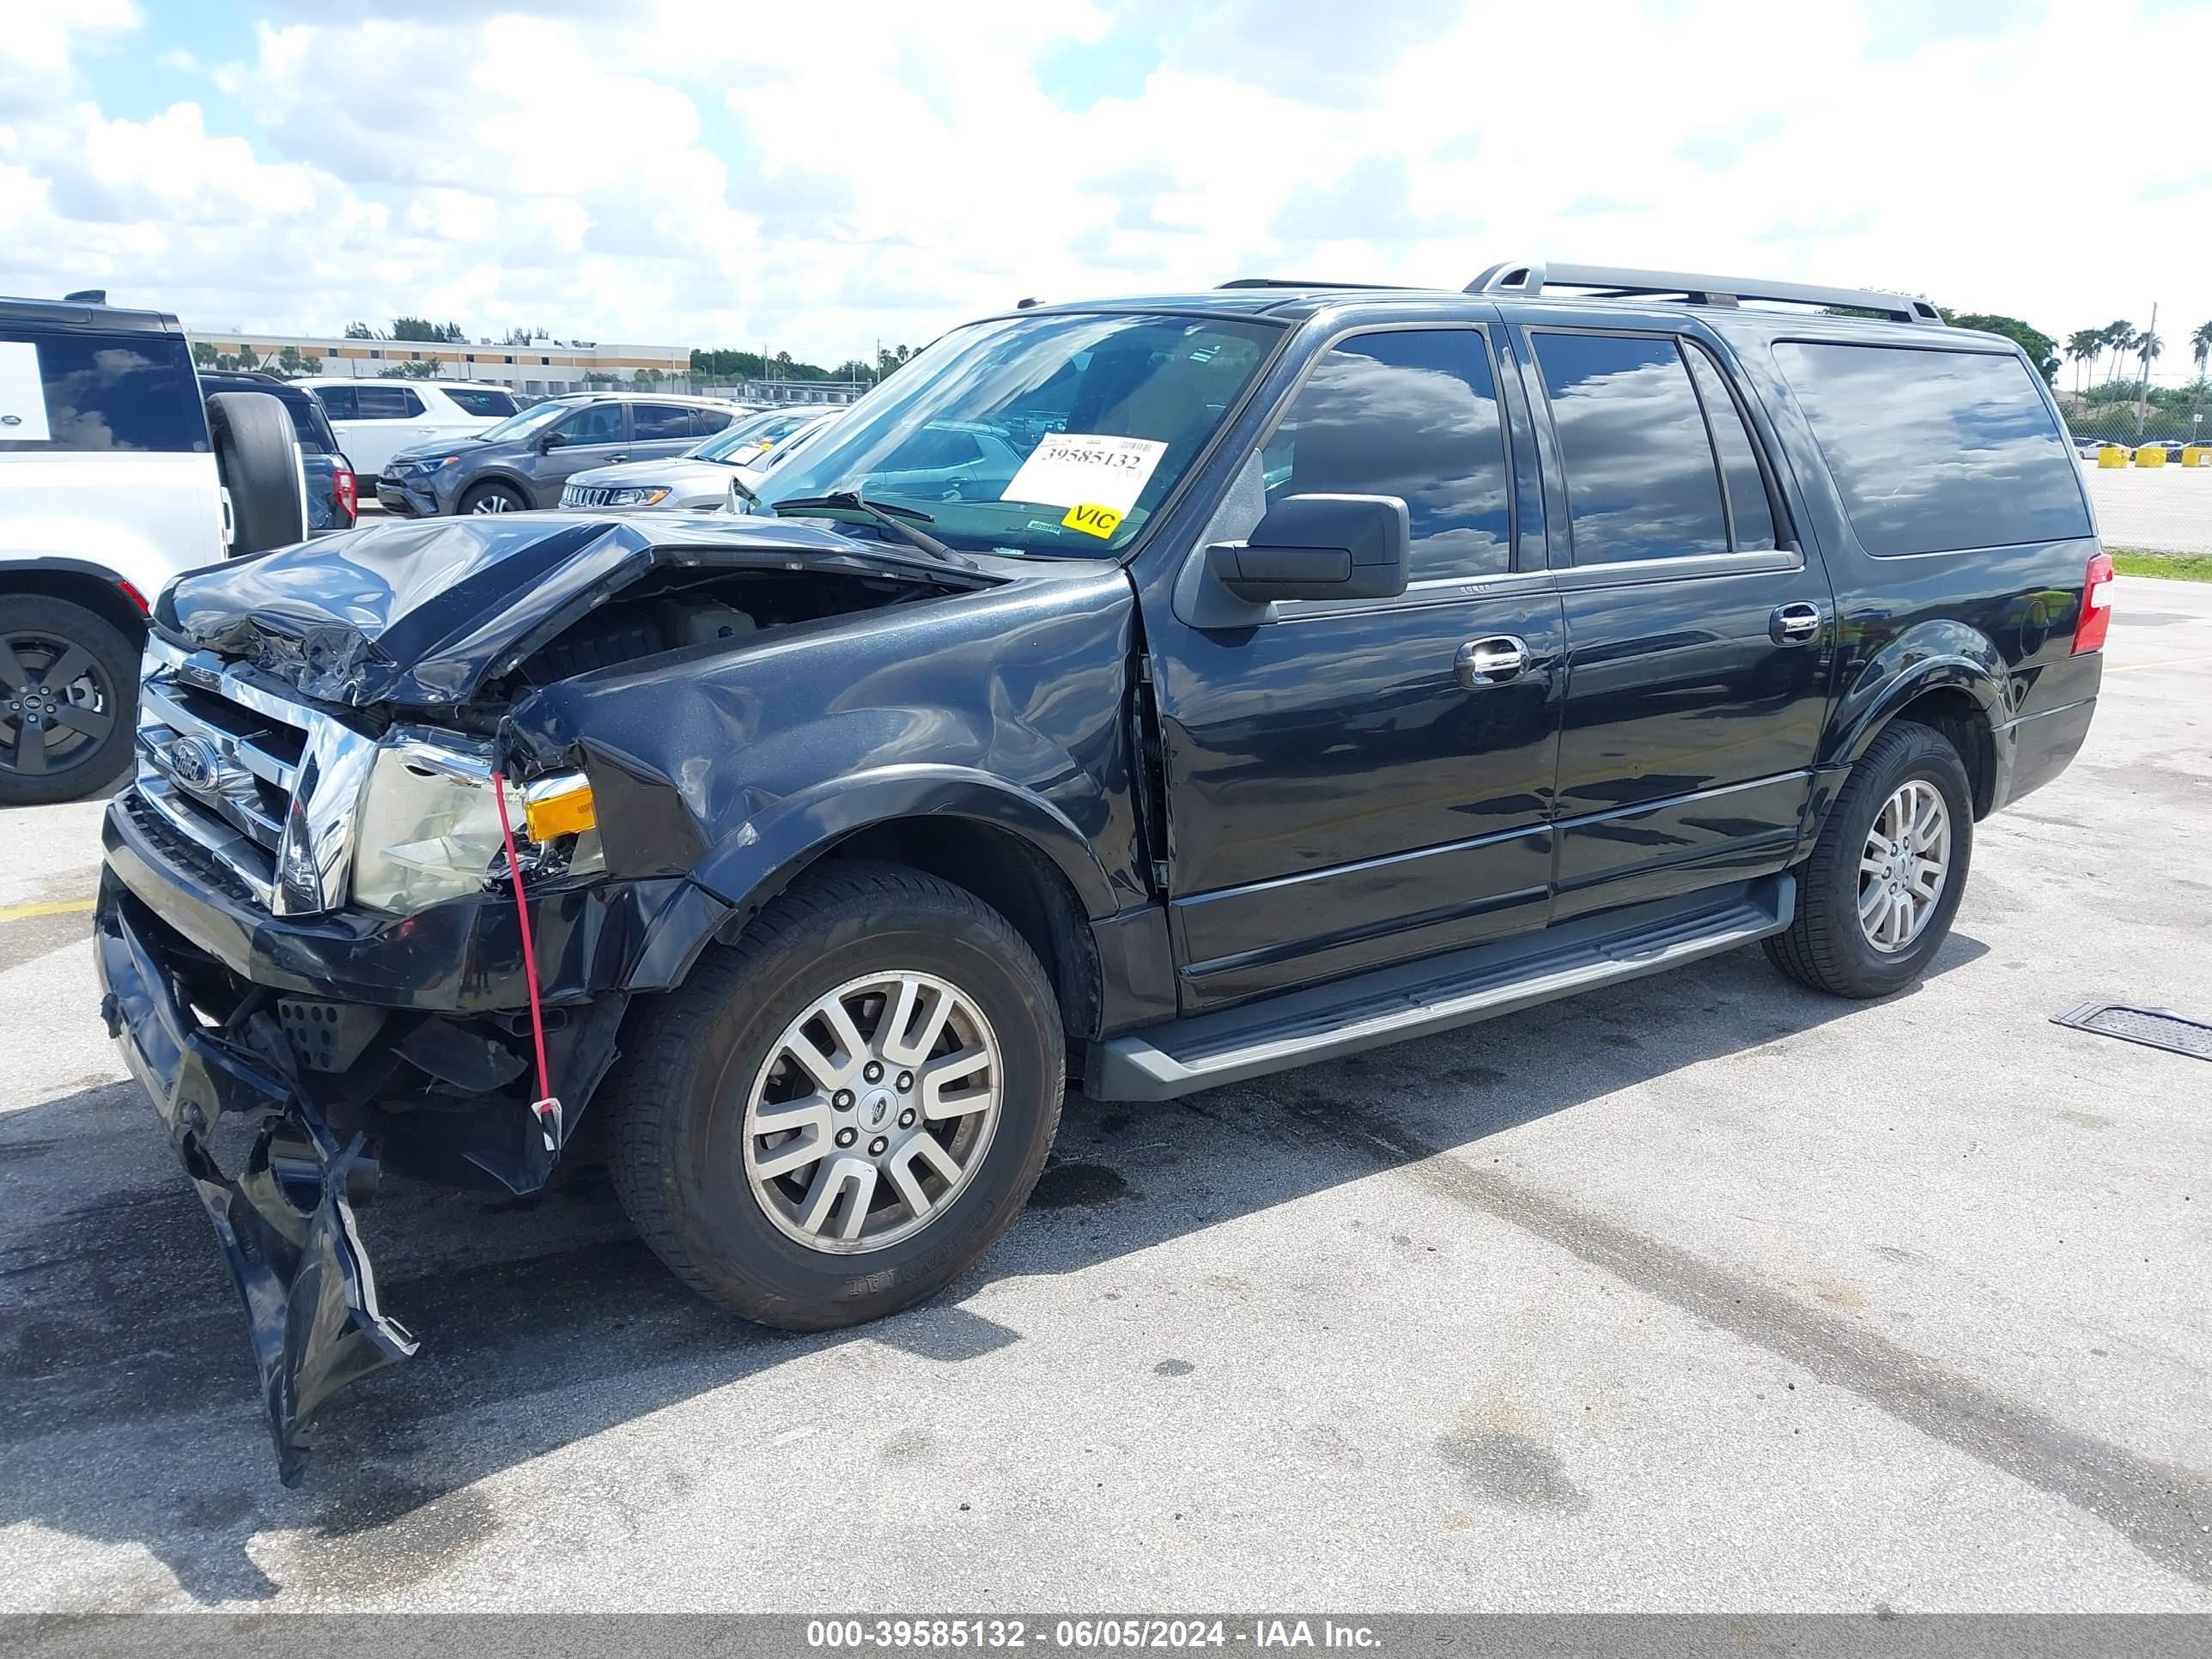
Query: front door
x=594 y=436
x=1345 y=786
x=1700 y=635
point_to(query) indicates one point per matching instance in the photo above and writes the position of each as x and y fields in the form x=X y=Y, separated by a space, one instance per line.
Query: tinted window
x=598 y=423
x=1933 y=450
x=480 y=400
x=99 y=391
x=935 y=447
x=707 y=422
x=653 y=421
x=1751 y=513
x=337 y=401
x=386 y=403
x=1412 y=414
x=1641 y=479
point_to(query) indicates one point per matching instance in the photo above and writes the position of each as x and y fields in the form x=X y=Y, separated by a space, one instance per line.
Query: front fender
x=1934 y=656
x=760 y=857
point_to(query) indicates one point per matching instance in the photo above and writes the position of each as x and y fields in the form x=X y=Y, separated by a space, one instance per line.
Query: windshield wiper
x=894 y=519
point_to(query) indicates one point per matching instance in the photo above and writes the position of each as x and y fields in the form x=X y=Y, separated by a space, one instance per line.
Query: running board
x=1414 y=999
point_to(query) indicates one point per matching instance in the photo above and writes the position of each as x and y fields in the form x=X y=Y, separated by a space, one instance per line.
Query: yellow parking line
x=59 y=907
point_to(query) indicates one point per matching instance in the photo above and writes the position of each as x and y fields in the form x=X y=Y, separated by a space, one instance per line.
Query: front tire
x=837 y=1115
x=493 y=498
x=68 y=695
x=1875 y=901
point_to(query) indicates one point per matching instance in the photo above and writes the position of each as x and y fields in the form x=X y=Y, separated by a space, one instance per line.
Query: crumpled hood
x=422 y=611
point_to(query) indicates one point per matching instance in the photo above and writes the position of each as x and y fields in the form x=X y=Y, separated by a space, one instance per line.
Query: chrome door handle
x=1493 y=661
x=1794 y=624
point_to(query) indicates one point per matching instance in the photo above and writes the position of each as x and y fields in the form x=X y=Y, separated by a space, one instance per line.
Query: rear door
x=1700 y=632
x=660 y=429
x=374 y=420
x=1339 y=795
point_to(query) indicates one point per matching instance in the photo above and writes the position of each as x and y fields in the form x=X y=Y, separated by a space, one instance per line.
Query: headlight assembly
x=651 y=496
x=429 y=826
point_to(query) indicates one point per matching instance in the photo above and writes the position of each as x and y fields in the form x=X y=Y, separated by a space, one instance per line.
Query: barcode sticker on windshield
x=1085 y=469
x=22 y=395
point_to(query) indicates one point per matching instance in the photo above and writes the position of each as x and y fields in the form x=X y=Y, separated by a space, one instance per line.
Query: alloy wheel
x=1904 y=866
x=872 y=1112
x=56 y=708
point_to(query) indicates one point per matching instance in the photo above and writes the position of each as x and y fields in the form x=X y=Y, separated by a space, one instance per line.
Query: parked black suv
x=1322 y=667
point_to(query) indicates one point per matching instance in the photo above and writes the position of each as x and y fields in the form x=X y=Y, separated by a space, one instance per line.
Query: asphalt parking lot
x=1708 y=1293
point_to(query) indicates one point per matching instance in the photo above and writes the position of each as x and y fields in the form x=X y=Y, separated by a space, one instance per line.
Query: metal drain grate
x=2160 y=1028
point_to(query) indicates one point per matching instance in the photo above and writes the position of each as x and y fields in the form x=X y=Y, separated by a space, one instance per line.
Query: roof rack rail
x=1529 y=278
x=1287 y=282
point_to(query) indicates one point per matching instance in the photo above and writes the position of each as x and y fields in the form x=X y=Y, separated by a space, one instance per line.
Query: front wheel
x=1875 y=900
x=493 y=498
x=837 y=1115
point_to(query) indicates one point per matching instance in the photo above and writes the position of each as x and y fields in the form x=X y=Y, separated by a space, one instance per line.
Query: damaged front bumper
x=285 y=1220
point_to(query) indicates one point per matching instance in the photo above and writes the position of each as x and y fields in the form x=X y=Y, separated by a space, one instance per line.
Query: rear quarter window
x=99 y=393
x=1933 y=451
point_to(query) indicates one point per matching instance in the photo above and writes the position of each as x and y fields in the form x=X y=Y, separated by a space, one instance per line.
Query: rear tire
x=257 y=457
x=68 y=699
x=1849 y=939
x=706 y=1067
x=493 y=498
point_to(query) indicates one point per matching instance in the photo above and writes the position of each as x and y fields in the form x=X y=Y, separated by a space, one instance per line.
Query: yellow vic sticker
x=1100 y=521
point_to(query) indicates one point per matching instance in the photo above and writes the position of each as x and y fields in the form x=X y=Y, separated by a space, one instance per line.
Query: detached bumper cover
x=284 y=1221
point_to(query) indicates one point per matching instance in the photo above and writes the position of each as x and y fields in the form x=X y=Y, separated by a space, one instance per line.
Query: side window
x=1642 y=482
x=480 y=400
x=936 y=446
x=707 y=422
x=65 y=391
x=1411 y=413
x=651 y=423
x=337 y=402
x=386 y=403
x=1751 y=510
x=1933 y=451
x=597 y=424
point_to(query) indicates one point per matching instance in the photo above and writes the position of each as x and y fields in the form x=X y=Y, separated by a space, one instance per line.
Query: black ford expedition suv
x=1148 y=695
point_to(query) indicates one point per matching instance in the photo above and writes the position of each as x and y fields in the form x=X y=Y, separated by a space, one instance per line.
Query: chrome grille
x=586 y=495
x=264 y=785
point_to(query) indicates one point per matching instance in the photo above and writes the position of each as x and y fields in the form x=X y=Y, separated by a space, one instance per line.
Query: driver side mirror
x=550 y=440
x=1318 y=547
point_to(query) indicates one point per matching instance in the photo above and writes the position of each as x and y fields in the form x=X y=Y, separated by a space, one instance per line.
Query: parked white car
x=376 y=419
x=118 y=471
x=699 y=479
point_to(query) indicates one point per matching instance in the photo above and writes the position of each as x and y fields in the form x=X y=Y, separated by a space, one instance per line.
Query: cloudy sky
x=820 y=174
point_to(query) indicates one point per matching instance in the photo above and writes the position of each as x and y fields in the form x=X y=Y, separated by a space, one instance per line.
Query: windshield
x=531 y=420
x=747 y=435
x=1052 y=435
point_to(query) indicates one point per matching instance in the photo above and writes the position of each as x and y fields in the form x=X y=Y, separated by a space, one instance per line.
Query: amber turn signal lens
x=561 y=808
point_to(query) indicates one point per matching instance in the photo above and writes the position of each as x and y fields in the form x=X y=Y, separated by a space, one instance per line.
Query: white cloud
x=818 y=176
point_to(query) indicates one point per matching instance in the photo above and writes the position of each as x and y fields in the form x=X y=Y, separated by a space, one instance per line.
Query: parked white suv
x=376 y=419
x=115 y=476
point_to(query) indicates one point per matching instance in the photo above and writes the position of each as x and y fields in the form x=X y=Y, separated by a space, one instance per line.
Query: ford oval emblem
x=193 y=762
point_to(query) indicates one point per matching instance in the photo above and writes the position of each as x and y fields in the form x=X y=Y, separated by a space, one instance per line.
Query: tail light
x=2096 y=605
x=350 y=497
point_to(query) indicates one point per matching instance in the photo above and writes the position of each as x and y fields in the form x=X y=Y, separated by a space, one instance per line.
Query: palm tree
x=2200 y=347
x=2147 y=346
x=2086 y=342
x=2118 y=336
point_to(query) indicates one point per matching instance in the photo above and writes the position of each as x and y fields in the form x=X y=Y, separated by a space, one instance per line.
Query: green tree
x=358 y=331
x=311 y=366
x=415 y=328
x=290 y=362
x=204 y=355
x=2082 y=345
x=2200 y=347
x=2147 y=348
x=2042 y=350
x=647 y=378
x=2117 y=337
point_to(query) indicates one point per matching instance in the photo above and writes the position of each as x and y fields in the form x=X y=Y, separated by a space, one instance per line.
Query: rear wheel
x=1875 y=900
x=68 y=686
x=493 y=498
x=834 y=1118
